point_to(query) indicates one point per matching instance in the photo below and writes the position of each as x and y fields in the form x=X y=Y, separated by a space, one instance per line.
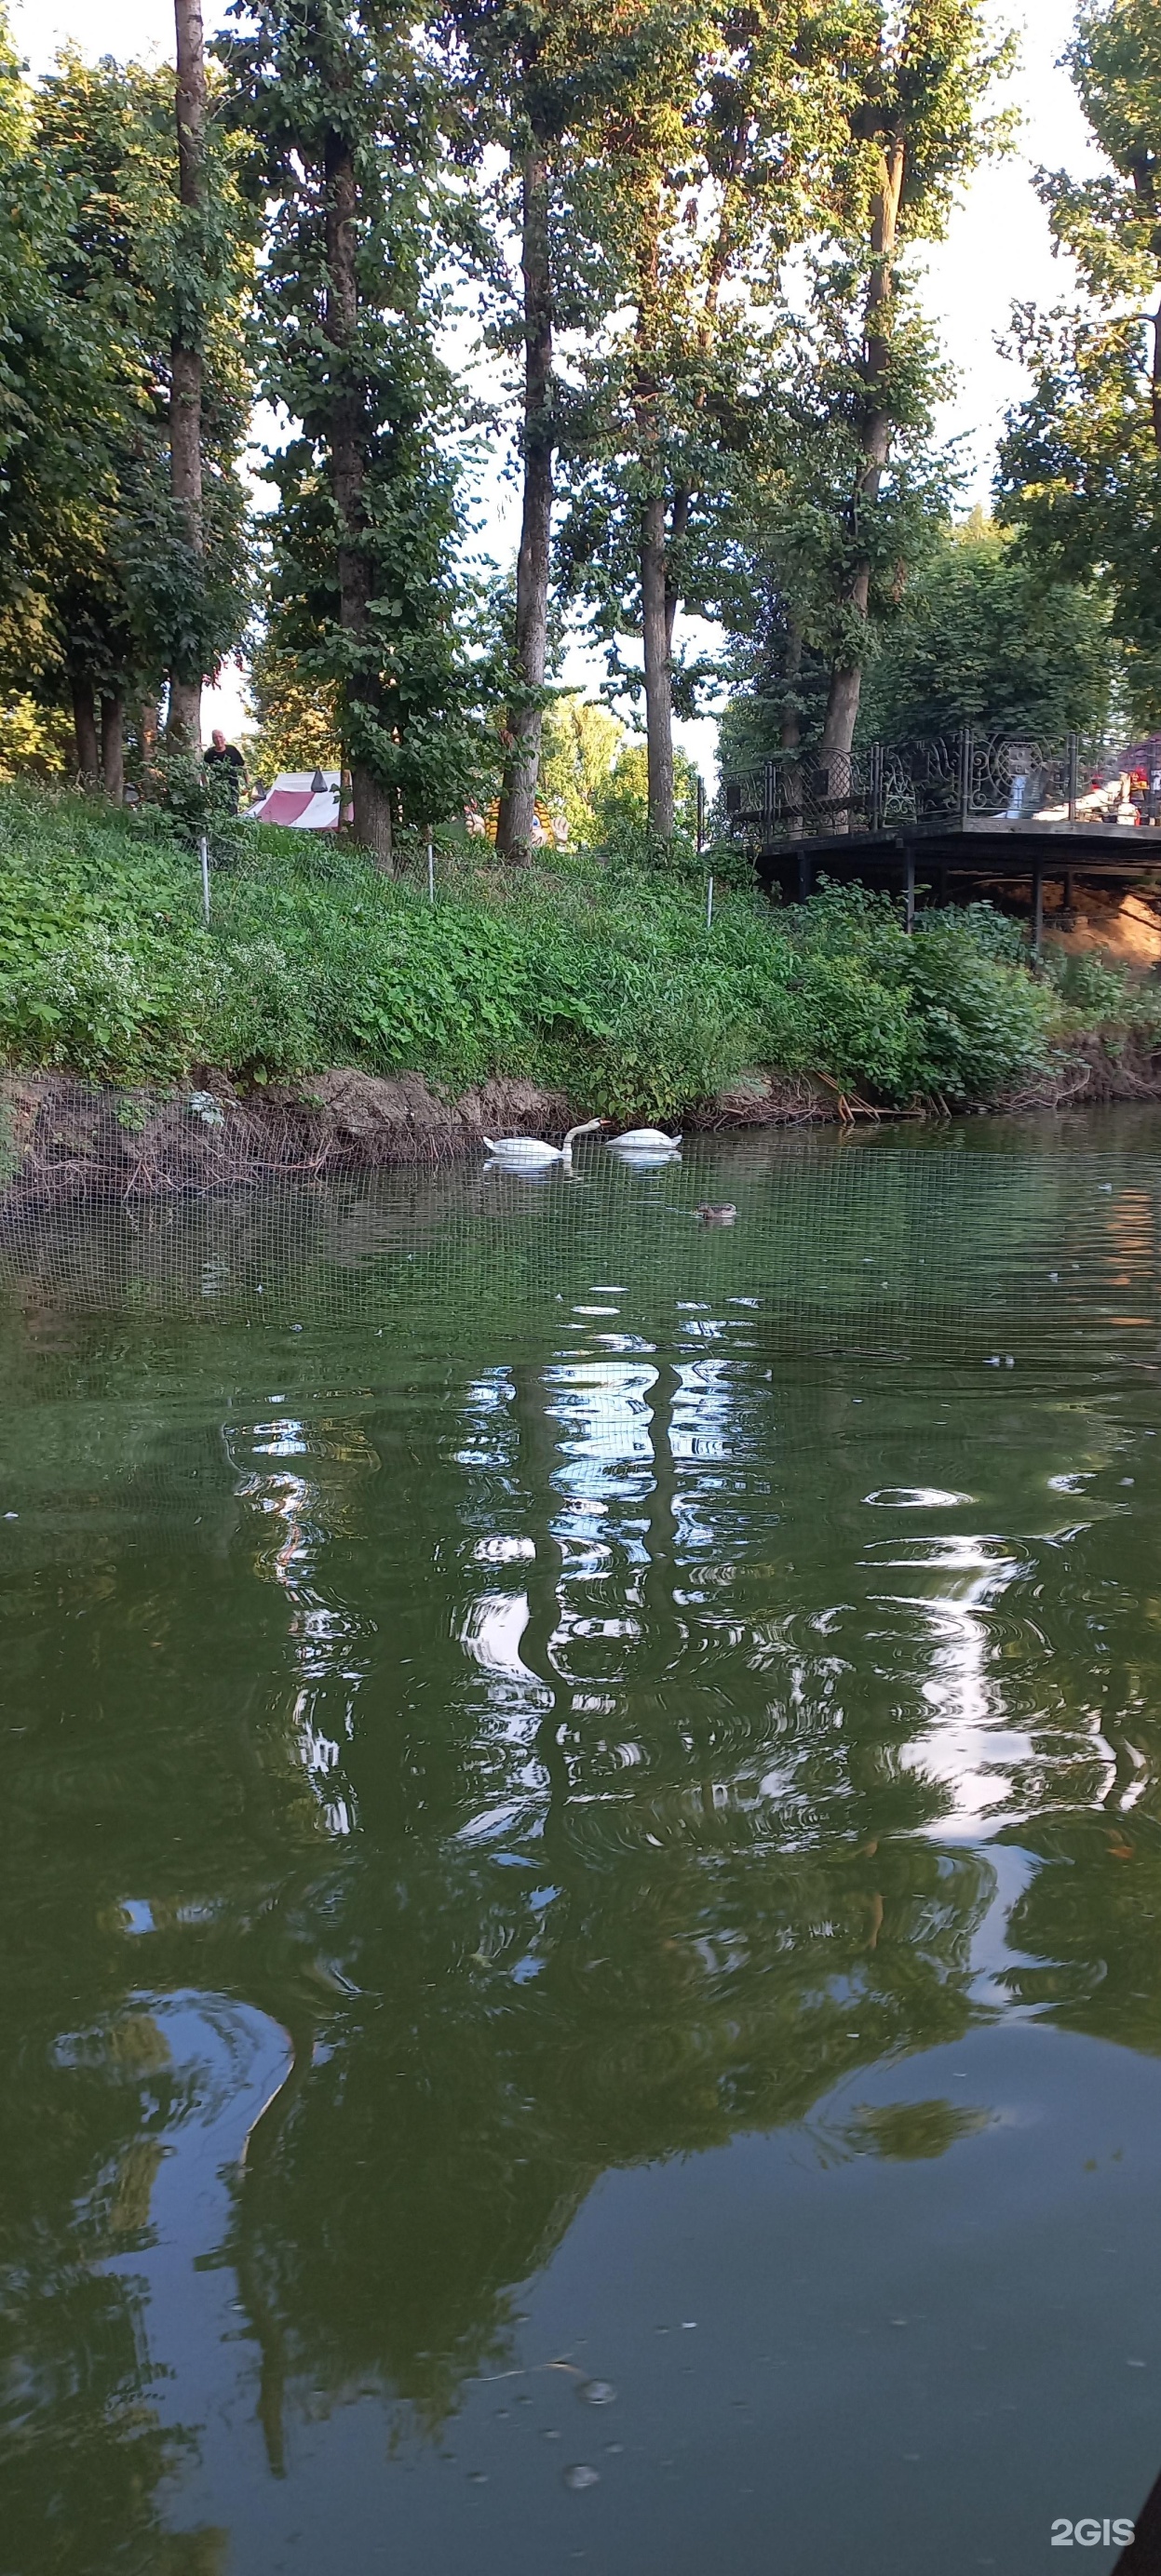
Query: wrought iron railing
x=951 y=779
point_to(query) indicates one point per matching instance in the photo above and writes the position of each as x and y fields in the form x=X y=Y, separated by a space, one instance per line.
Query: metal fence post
x=876 y=787
x=965 y=775
x=204 y=854
x=430 y=870
x=1073 y=776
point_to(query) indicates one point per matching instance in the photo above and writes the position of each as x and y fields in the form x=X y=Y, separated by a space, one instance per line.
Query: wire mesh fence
x=879 y=1242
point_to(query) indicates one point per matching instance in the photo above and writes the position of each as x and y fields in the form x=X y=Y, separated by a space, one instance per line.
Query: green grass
x=601 y=979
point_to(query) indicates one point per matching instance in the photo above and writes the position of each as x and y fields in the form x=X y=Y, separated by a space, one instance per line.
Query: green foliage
x=980 y=1025
x=620 y=813
x=98 y=585
x=341 y=107
x=1080 y=468
x=980 y=640
x=193 y=797
x=298 y=718
x=35 y=741
x=964 y=1023
x=1089 y=983
x=1097 y=993
x=844 y=481
x=579 y=748
x=603 y=980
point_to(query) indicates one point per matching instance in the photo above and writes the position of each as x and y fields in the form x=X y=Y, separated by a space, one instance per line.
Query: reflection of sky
x=666 y=1474
x=671 y=1510
x=966 y=1745
x=323 y=1633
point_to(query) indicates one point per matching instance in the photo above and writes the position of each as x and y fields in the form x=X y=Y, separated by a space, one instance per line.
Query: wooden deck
x=945 y=862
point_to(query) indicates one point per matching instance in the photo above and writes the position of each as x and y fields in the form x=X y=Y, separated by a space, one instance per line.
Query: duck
x=528 y=1154
x=723 y=1215
x=645 y=1140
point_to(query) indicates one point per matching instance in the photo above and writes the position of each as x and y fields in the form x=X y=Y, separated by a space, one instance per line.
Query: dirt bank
x=62 y=1139
x=1125 y=928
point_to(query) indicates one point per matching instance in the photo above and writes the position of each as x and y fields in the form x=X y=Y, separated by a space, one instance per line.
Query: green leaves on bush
x=601 y=980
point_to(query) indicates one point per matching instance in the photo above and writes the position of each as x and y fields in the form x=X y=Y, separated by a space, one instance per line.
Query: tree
x=845 y=490
x=976 y=638
x=53 y=407
x=980 y=640
x=580 y=745
x=185 y=381
x=530 y=82
x=909 y=88
x=95 y=577
x=298 y=718
x=342 y=110
x=1080 y=467
x=709 y=126
x=784 y=569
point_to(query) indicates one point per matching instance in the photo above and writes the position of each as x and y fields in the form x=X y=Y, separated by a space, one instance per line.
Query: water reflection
x=451 y=1766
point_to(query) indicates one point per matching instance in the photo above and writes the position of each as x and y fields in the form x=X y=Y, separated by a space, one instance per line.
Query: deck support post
x=1037 y=908
x=965 y=776
x=805 y=872
x=909 y=903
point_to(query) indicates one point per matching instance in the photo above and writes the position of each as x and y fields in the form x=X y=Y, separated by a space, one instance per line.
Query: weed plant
x=595 y=974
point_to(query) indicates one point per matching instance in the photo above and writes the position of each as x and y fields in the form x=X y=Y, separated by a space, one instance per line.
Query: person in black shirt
x=227 y=759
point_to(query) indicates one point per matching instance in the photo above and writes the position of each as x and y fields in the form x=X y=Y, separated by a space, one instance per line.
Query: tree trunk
x=113 y=747
x=184 y=727
x=371 y=801
x=85 y=726
x=522 y=767
x=1145 y=190
x=877 y=426
x=1155 y=379
x=656 y=625
x=842 y=709
x=661 y=728
x=371 y=809
x=658 y=601
x=791 y=727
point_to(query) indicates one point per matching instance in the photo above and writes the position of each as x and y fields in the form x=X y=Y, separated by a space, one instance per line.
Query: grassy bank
x=596 y=980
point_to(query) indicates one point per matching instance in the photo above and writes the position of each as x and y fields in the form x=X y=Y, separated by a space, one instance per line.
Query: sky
x=997 y=251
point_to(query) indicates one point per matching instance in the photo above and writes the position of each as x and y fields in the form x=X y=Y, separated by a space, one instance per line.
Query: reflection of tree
x=85 y=2449
x=1084 y=1930
x=154 y=1819
x=909 y=2131
x=556 y=1748
x=618 y=1902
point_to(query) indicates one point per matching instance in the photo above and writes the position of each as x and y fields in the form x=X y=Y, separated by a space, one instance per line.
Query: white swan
x=645 y=1140
x=527 y=1154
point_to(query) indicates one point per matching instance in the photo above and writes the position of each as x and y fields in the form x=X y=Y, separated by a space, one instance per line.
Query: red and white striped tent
x=307 y=799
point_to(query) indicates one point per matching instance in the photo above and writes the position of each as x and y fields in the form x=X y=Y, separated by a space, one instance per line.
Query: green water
x=581 y=1831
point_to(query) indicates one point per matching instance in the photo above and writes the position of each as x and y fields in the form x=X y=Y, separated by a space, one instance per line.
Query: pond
x=582 y=1866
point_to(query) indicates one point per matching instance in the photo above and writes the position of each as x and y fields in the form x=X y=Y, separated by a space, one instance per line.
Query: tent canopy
x=305 y=799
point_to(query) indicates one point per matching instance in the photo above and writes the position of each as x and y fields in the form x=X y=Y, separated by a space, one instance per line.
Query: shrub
x=979 y=1025
x=596 y=976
